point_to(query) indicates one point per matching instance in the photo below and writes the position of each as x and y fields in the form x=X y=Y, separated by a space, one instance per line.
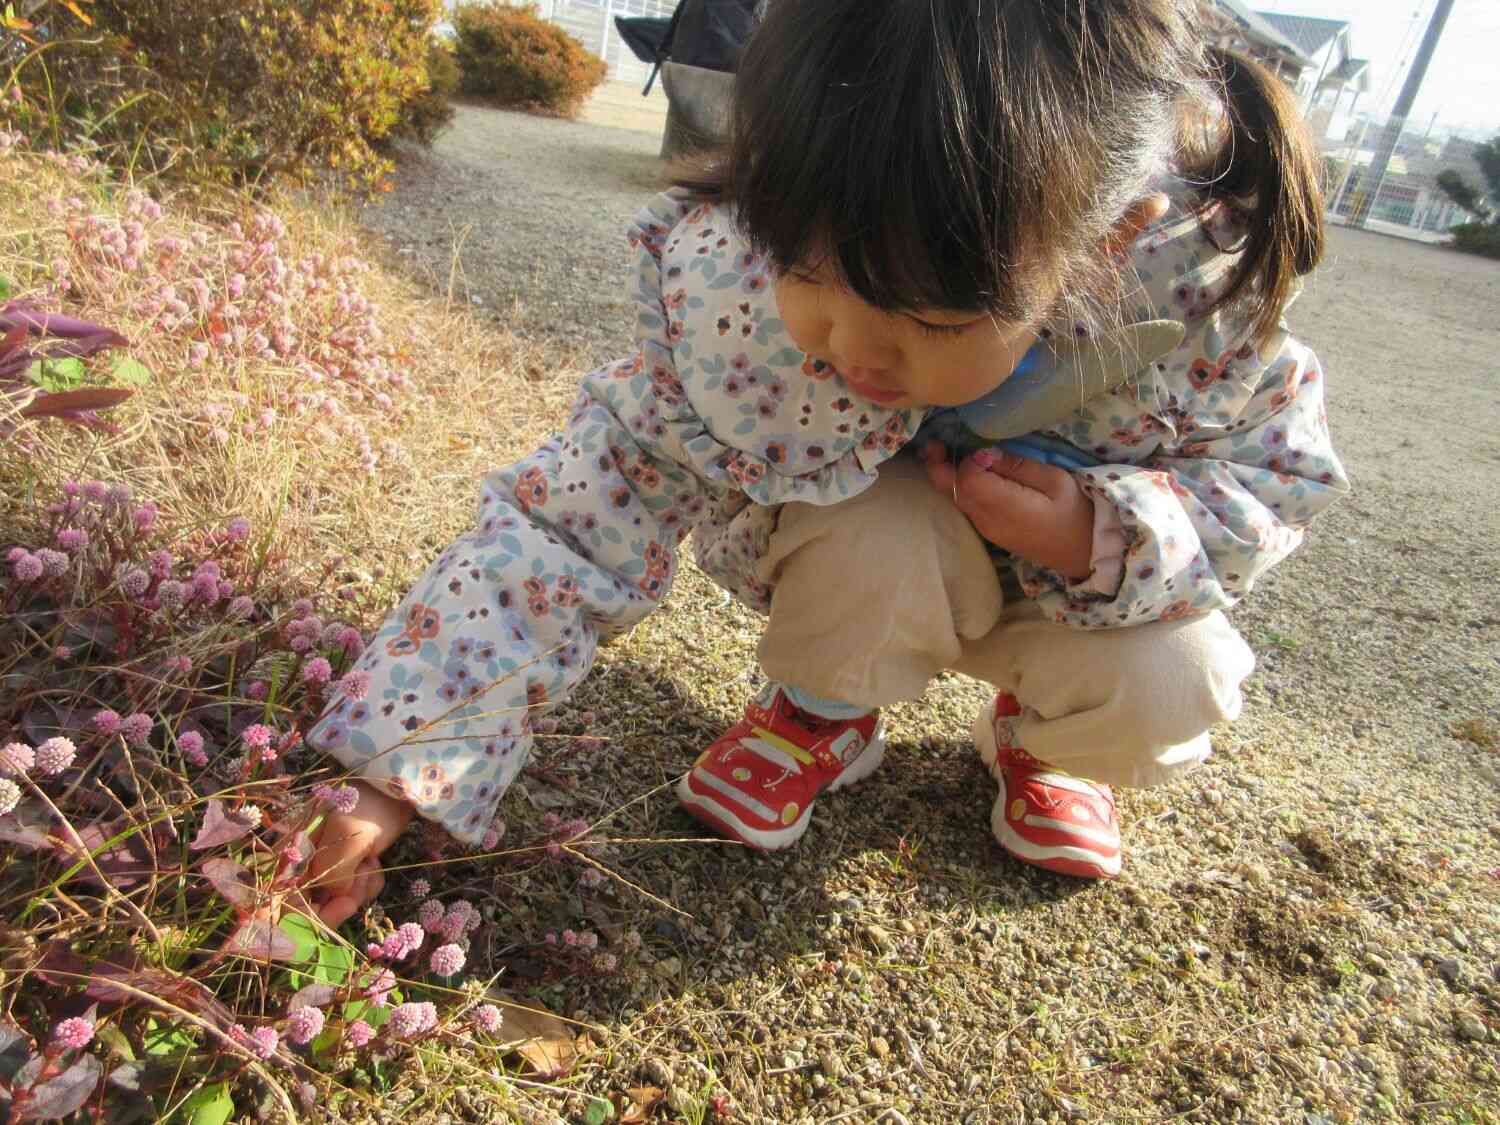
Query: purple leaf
x=311 y=996
x=232 y=880
x=221 y=826
x=55 y=324
x=127 y=862
x=74 y=404
x=15 y=1047
x=259 y=939
x=63 y=968
x=60 y=1096
x=27 y=827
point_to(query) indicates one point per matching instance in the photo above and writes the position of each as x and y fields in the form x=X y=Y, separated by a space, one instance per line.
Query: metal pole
x=1399 y=112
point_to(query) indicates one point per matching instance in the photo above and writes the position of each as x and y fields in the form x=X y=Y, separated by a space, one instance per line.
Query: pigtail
x=1267 y=172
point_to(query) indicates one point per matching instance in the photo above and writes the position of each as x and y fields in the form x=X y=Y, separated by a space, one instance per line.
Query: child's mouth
x=853 y=379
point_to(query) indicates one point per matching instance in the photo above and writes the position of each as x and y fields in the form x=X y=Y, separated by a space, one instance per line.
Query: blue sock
x=823 y=708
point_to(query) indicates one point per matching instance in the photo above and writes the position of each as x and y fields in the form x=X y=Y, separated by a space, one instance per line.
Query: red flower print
x=1180 y=608
x=531 y=489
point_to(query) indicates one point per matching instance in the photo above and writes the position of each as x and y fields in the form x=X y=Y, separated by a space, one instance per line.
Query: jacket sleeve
x=1235 y=460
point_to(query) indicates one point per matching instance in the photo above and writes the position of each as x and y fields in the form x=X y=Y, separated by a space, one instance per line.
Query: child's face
x=926 y=357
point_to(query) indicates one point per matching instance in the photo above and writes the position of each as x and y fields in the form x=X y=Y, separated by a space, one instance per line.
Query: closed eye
x=930 y=329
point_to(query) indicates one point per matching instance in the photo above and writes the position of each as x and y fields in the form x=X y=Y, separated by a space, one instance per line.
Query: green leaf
x=56 y=374
x=305 y=936
x=129 y=372
x=166 y=1039
x=598 y=1112
x=4 y=281
x=335 y=963
x=211 y=1105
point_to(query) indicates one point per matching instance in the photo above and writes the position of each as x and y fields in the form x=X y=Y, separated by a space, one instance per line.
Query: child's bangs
x=858 y=152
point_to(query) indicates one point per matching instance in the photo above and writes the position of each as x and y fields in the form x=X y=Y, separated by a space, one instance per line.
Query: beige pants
x=876 y=595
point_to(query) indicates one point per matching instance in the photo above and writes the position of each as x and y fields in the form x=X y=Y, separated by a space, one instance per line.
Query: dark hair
x=975 y=154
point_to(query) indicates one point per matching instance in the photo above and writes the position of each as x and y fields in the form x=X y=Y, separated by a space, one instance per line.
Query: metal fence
x=592 y=22
x=1407 y=199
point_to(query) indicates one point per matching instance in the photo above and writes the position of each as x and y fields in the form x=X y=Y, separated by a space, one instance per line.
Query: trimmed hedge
x=511 y=56
x=1477 y=238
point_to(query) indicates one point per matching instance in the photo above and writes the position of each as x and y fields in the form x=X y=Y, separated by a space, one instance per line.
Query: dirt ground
x=1307 y=929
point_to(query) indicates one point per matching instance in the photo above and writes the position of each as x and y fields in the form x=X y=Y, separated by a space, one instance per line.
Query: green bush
x=232 y=90
x=1477 y=238
x=511 y=56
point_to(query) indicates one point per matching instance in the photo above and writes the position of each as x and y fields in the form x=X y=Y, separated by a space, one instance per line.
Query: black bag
x=703 y=33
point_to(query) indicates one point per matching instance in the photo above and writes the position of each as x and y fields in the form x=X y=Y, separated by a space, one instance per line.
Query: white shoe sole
x=983 y=734
x=706 y=808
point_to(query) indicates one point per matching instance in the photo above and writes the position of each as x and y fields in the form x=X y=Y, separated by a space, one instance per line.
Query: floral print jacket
x=1214 y=457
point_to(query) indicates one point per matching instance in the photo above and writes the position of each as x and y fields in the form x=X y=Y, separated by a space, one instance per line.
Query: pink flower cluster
x=342 y=799
x=304 y=1024
x=73 y=1034
x=239 y=292
x=412 y=1019
x=262 y=1042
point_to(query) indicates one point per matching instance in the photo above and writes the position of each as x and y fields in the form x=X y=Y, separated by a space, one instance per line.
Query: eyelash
x=940 y=331
x=948 y=330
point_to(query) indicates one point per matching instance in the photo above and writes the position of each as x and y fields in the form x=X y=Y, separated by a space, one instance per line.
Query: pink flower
x=430 y=915
x=317 y=671
x=354 y=685
x=73 y=1034
x=302 y=607
x=420 y=888
x=106 y=722
x=344 y=799
x=241 y=608
x=257 y=690
x=72 y=539
x=27 y=567
x=257 y=736
x=488 y=1019
x=351 y=642
x=446 y=960
x=304 y=1024
x=381 y=987
x=262 y=1042
x=412 y=1019
x=135 y=582
x=145 y=517
x=161 y=564
x=55 y=755
x=171 y=594
x=191 y=745
x=237 y=530
x=10 y=796
x=54 y=563
x=136 y=728
x=16 y=758
x=96 y=490
x=360 y=1033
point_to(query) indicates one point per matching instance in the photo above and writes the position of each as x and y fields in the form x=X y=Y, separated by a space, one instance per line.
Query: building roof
x=1257 y=28
x=1310 y=33
x=1350 y=71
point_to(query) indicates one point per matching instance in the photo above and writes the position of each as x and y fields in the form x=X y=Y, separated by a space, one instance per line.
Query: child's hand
x=345 y=870
x=1034 y=511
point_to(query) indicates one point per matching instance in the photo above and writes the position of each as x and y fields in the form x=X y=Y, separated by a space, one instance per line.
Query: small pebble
x=880 y=1048
x=1471 y=1027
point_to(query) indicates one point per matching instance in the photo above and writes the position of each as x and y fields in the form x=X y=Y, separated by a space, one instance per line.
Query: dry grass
x=478 y=396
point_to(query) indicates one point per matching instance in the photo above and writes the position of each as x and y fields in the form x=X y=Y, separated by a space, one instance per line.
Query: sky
x=1463 y=81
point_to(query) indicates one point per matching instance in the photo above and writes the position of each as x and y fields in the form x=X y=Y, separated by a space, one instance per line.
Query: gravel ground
x=1307 y=929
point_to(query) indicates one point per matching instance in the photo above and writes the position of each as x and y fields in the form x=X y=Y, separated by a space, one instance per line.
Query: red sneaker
x=1043 y=816
x=757 y=782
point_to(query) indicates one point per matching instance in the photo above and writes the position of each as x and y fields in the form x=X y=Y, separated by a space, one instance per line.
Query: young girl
x=921 y=201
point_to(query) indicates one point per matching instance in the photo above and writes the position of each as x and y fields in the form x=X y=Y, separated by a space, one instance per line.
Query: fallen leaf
x=539 y=1037
x=642 y=1098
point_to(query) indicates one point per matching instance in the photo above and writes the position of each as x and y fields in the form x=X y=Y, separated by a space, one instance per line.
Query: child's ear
x=1138 y=216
